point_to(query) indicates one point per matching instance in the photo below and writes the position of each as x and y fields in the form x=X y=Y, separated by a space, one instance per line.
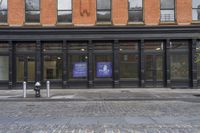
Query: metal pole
x=24 y=89
x=48 y=88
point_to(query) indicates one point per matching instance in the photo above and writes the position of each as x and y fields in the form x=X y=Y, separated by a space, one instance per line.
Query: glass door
x=25 y=68
x=153 y=70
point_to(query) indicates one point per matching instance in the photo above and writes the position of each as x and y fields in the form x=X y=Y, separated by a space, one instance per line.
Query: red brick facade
x=84 y=12
x=48 y=12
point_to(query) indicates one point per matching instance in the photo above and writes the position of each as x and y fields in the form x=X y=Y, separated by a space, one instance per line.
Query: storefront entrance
x=153 y=64
x=25 y=69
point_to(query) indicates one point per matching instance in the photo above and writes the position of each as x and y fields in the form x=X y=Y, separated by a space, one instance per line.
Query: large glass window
x=64 y=11
x=3 y=11
x=103 y=10
x=197 y=60
x=32 y=12
x=52 y=47
x=128 y=60
x=179 y=52
x=195 y=10
x=167 y=11
x=135 y=10
x=52 y=67
x=4 y=65
x=25 y=47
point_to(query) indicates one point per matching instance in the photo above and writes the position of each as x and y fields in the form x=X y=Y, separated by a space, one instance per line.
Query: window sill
x=32 y=24
x=103 y=23
x=4 y=24
x=135 y=23
x=168 y=23
x=64 y=25
x=196 y=22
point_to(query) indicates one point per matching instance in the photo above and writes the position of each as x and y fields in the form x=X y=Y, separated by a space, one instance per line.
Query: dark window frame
x=26 y=10
x=194 y=8
x=136 y=10
x=168 y=9
x=103 y=10
x=5 y=10
x=65 y=10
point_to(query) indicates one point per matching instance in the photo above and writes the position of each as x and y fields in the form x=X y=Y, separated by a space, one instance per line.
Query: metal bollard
x=24 y=89
x=48 y=88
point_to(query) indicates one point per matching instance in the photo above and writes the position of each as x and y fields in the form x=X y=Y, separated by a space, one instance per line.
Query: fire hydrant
x=37 y=89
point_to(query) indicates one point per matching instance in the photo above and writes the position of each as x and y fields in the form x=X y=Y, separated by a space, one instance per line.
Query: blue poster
x=80 y=69
x=104 y=69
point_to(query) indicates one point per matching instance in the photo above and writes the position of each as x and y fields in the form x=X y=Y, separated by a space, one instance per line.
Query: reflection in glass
x=4 y=47
x=103 y=46
x=33 y=16
x=25 y=47
x=3 y=5
x=196 y=10
x=167 y=12
x=64 y=16
x=64 y=5
x=179 y=66
x=159 y=68
x=127 y=46
x=103 y=4
x=78 y=46
x=103 y=10
x=135 y=4
x=4 y=65
x=77 y=66
x=136 y=16
x=52 y=67
x=3 y=11
x=32 y=5
x=103 y=16
x=149 y=67
x=153 y=46
x=129 y=66
x=52 y=47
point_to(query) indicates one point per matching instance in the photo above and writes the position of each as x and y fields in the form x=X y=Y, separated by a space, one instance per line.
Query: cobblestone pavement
x=100 y=117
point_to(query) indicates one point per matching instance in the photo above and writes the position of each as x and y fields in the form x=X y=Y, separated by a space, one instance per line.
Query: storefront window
x=128 y=66
x=52 y=67
x=25 y=47
x=179 y=52
x=78 y=66
x=153 y=46
x=52 y=47
x=198 y=59
x=4 y=65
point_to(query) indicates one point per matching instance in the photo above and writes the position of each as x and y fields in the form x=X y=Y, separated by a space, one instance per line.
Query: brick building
x=100 y=43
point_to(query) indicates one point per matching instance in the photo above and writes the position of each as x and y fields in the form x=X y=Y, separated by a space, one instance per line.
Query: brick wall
x=16 y=12
x=84 y=12
x=48 y=12
x=119 y=12
x=151 y=12
x=184 y=12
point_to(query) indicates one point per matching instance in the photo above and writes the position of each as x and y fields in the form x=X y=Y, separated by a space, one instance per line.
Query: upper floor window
x=3 y=11
x=135 y=10
x=167 y=11
x=32 y=8
x=103 y=10
x=64 y=11
x=196 y=10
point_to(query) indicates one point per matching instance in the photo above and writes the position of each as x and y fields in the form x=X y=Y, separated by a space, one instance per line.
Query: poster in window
x=79 y=69
x=104 y=69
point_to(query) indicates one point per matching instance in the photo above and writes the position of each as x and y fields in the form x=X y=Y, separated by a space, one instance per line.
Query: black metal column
x=167 y=67
x=165 y=63
x=141 y=60
x=90 y=64
x=65 y=49
x=116 y=64
x=193 y=69
x=38 y=61
x=10 y=82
